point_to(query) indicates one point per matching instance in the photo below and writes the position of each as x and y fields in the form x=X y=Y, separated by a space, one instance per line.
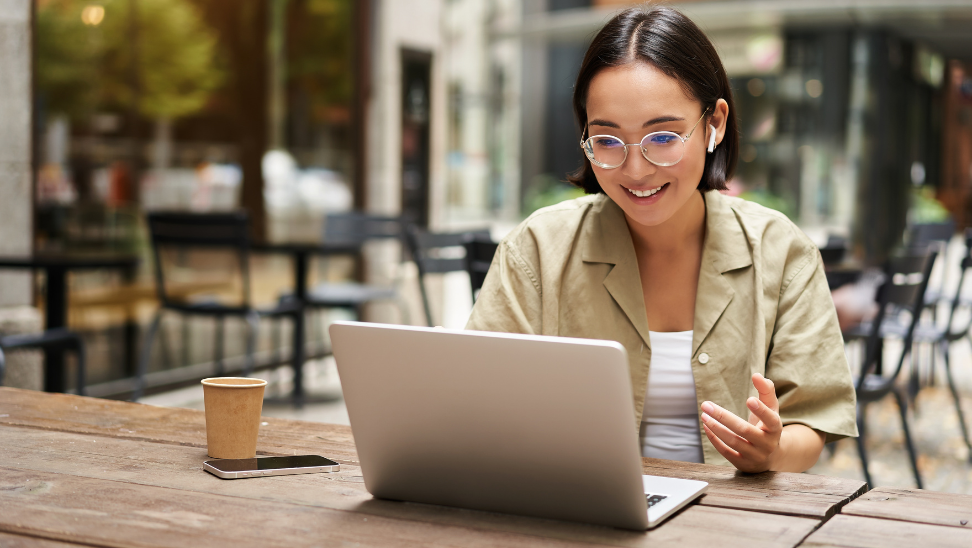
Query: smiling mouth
x=645 y=193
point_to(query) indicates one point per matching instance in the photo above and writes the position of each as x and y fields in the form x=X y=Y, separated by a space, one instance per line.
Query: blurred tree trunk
x=242 y=29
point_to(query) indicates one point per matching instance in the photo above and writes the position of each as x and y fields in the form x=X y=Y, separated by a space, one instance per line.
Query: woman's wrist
x=799 y=448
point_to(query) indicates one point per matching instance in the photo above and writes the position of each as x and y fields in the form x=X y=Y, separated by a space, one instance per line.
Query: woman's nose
x=637 y=166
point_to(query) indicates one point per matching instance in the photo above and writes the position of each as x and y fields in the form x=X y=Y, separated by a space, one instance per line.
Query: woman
x=722 y=305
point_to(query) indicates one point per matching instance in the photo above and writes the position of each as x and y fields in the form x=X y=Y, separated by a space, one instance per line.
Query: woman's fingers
x=722 y=448
x=770 y=418
x=767 y=391
x=731 y=439
x=730 y=420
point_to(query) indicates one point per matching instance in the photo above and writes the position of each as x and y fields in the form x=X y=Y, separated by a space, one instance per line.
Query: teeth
x=644 y=193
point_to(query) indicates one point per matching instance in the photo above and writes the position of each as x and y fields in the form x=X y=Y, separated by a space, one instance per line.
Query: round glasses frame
x=588 y=146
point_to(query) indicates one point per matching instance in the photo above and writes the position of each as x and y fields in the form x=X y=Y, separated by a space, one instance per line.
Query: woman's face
x=629 y=102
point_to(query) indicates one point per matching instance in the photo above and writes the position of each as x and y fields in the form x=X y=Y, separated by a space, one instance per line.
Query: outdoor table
x=301 y=253
x=890 y=518
x=83 y=471
x=56 y=268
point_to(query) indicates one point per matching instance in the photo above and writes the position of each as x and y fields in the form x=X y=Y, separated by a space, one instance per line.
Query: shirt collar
x=607 y=239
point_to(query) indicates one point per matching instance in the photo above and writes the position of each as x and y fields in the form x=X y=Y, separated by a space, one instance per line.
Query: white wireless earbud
x=712 y=144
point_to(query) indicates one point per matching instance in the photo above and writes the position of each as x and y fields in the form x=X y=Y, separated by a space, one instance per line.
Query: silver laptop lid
x=529 y=425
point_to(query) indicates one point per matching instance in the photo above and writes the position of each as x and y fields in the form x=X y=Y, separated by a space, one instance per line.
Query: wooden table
x=83 y=471
x=55 y=268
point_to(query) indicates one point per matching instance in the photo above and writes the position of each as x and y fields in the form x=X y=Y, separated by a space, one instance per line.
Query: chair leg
x=955 y=397
x=275 y=329
x=425 y=302
x=79 y=352
x=218 y=342
x=861 y=449
x=186 y=337
x=914 y=380
x=143 y=362
x=3 y=366
x=903 y=408
x=252 y=329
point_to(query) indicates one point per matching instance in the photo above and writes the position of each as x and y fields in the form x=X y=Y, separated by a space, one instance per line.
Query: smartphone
x=270 y=466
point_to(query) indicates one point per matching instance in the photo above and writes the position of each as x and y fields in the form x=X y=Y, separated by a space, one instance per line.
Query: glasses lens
x=605 y=150
x=663 y=148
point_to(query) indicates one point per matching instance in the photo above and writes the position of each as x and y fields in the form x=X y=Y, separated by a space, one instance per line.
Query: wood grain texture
x=776 y=492
x=8 y=540
x=772 y=492
x=860 y=532
x=125 y=420
x=179 y=467
x=915 y=505
x=117 y=513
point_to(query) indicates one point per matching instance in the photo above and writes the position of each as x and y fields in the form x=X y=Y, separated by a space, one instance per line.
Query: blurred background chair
x=941 y=338
x=61 y=338
x=903 y=289
x=356 y=229
x=197 y=251
x=936 y=235
x=438 y=253
x=479 y=255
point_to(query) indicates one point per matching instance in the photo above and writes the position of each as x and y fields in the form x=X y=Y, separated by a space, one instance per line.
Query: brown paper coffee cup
x=233 y=407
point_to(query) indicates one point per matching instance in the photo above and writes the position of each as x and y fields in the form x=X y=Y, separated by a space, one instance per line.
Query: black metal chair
x=60 y=338
x=433 y=254
x=479 y=255
x=937 y=235
x=355 y=229
x=942 y=338
x=906 y=279
x=182 y=233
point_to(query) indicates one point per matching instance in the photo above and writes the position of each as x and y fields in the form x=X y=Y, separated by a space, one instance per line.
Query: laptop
x=517 y=424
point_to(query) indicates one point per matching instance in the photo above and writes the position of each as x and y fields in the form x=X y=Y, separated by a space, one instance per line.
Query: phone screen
x=271 y=463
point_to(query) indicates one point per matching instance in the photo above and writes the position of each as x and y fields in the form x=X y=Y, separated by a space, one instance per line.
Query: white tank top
x=670 y=420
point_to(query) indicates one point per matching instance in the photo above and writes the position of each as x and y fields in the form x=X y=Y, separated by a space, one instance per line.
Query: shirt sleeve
x=806 y=361
x=509 y=300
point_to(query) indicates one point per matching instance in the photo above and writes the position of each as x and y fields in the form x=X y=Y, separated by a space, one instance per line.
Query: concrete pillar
x=15 y=145
x=16 y=316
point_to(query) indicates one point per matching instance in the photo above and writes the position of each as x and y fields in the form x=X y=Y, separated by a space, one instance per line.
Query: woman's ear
x=719 y=119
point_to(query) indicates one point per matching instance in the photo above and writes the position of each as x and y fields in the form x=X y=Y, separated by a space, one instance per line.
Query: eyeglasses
x=662 y=148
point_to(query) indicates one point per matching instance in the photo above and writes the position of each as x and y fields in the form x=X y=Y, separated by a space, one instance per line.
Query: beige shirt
x=762 y=305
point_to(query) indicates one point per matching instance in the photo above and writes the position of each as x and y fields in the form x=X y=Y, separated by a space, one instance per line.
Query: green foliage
x=546 y=190
x=925 y=208
x=67 y=52
x=320 y=51
x=83 y=67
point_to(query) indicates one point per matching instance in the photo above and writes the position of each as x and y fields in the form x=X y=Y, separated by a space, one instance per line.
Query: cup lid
x=234 y=382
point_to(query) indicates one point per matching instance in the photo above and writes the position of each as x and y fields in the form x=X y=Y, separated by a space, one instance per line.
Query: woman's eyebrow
x=662 y=119
x=605 y=123
x=653 y=121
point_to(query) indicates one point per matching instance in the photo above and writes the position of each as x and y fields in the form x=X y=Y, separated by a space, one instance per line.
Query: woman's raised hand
x=752 y=446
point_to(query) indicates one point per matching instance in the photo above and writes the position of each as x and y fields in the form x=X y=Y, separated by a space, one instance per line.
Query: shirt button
x=703 y=358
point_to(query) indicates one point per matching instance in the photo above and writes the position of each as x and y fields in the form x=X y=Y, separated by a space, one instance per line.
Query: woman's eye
x=607 y=143
x=663 y=139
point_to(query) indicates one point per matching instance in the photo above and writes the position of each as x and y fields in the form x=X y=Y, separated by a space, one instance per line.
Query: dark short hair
x=676 y=46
